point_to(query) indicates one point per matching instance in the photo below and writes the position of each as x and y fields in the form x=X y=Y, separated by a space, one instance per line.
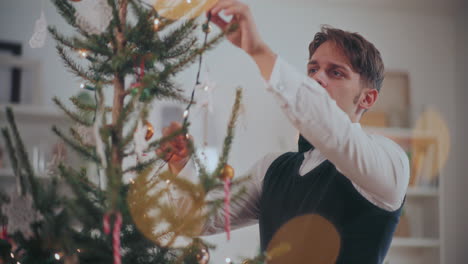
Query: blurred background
x=424 y=45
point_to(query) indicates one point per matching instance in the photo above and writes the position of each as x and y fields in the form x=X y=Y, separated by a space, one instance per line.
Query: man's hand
x=175 y=152
x=246 y=36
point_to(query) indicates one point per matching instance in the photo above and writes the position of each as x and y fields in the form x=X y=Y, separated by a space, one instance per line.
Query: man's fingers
x=235 y=10
x=221 y=5
x=221 y=23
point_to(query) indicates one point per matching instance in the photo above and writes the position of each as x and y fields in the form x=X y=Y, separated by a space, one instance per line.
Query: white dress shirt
x=377 y=166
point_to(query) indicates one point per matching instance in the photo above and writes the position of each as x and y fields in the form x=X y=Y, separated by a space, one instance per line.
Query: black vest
x=365 y=229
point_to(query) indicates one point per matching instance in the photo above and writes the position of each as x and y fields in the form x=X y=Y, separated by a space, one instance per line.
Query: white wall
x=422 y=43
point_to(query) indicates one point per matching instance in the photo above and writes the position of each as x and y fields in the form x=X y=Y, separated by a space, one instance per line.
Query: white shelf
x=399 y=242
x=33 y=111
x=422 y=192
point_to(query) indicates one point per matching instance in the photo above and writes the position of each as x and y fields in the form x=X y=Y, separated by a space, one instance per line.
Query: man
x=355 y=180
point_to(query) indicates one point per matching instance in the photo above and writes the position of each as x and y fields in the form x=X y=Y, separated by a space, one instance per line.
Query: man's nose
x=321 y=78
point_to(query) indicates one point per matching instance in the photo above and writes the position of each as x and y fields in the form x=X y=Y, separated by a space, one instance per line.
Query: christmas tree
x=119 y=222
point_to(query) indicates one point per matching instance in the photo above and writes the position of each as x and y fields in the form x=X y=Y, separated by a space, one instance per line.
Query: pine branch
x=179 y=35
x=23 y=159
x=230 y=133
x=67 y=42
x=75 y=117
x=115 y=14
x=13 y=160
x=83 y=150
x=137 y=8
x=73 y=67
x=129 y=137
x=179 y=50
x=206 y=181
x=127 y=113
x=86 y=107
x=83 y=204
x=182 y=63
x=94 y=44
x=163 y=90
x=141 y=166
x=68 y=12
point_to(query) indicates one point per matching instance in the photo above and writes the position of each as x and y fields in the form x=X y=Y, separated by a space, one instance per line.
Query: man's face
x=330 y=67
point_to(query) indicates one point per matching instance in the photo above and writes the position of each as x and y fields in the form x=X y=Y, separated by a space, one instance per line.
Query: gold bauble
x=226 y=173
x=176 y=9
x=149 y=131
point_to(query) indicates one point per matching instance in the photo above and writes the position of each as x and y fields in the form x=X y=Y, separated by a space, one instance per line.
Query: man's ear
x=368 y=98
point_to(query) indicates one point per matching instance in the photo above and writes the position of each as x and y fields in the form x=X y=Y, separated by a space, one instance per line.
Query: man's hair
x=364 y=57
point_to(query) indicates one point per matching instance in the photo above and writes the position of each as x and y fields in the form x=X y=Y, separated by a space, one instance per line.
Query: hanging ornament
x=20 y=213
x=140 y=138
x=93 y=16
x=206 y=28
x=176 y=9
x=149 y=131
x=115 y=234
x=145 y=94
x=226 y=175
x=40 y=32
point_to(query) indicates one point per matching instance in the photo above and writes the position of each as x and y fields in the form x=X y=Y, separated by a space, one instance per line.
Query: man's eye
x=312 y=70
x=337 y=74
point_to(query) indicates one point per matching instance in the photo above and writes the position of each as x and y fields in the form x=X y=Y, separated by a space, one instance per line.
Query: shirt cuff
x=285 y=81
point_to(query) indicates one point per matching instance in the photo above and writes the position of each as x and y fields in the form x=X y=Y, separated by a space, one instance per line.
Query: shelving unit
x=419 y=237
x=415 y=243
x=34 y=123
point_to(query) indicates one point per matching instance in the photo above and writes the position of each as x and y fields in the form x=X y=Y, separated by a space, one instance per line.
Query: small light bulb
x=185 y=113
x=57 y=256
x=12 y=255
x=79 y=251
x=156 y=22
x=83 y=53
x=168 y=181
x=228 y=260
x=187 y=136
x=189 y=1
x=206 y=87
x=82 y=86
